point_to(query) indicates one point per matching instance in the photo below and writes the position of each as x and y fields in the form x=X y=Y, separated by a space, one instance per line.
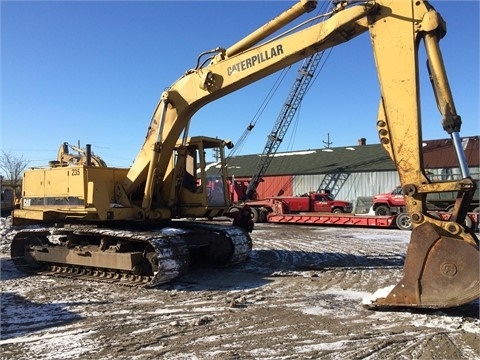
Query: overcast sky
x=92 y=72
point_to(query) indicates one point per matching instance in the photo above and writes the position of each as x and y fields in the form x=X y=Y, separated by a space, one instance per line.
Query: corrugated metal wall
x=452 y=174
x=355 y=185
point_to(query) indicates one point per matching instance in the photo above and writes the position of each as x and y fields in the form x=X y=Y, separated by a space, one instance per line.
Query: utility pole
x=328 y=142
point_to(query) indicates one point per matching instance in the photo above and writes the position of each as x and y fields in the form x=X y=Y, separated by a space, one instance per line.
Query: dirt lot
x=299 y=296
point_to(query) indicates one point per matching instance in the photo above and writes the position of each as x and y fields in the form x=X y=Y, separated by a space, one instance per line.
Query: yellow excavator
x=123 y=224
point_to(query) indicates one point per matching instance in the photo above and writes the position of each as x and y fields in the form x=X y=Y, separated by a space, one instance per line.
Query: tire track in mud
x=298 y=297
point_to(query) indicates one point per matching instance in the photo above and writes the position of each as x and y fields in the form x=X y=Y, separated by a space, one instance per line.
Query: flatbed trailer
x=398 y=221
x=334 y=219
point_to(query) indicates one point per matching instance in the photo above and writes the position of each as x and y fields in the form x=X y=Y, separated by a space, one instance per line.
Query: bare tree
x=12 y=166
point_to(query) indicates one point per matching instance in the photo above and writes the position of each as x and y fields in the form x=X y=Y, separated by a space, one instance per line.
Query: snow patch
x=379 y=294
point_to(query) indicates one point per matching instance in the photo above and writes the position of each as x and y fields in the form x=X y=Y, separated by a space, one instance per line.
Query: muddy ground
x=299 y=296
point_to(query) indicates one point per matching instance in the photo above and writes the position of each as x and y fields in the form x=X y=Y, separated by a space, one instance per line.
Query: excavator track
x=126 y=257
x=219 y=251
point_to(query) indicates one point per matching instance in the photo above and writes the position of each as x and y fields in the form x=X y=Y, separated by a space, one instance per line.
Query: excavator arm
x=442 y=263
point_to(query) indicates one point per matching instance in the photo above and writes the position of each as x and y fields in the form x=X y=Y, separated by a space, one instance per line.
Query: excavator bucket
x=439 y=272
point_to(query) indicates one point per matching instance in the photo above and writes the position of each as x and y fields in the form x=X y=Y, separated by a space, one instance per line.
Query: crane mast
x=289 y=108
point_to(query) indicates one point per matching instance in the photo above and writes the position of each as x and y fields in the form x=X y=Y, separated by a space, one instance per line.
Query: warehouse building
x=348 y=172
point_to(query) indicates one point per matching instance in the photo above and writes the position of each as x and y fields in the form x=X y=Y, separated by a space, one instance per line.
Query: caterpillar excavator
x=125 y=224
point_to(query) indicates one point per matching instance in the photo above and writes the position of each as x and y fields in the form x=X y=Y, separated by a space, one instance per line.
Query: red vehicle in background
x=390 y=203
x=394 y=202
x=315 y=202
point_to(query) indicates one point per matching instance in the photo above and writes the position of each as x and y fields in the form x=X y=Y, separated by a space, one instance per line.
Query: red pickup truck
x=313 y=202
x=394 y=202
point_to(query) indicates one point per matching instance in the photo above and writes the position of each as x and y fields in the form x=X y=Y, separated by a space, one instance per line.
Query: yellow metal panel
x=28 y=214
x=56 y=182
x=76 y=181
x=33 y=183
x=105 y=178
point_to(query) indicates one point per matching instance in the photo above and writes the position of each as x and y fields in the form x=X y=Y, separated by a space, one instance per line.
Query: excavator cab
x=199 y=195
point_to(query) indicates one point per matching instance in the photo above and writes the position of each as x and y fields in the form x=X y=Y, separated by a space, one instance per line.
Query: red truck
x=389 y=203
x=394 y=202
x=441 y=204
x=320 y=202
